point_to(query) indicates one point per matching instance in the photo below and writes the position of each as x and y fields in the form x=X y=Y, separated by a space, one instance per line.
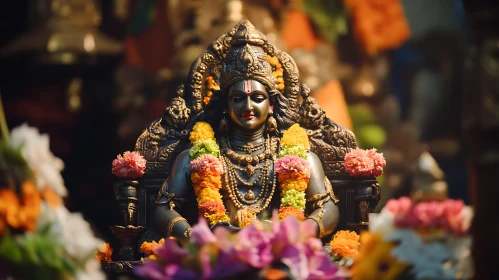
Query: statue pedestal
x=128 y=242
x=358 y=197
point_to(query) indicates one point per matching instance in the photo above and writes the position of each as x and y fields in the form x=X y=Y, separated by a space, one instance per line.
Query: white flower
x=92 y=271
x=460 y=266
x=426 y=258
x=383 y=222
x=36 y=151
x=75 y=234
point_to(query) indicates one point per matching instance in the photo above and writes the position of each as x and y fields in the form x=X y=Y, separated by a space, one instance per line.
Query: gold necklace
x=248 y=148
x=265 y=196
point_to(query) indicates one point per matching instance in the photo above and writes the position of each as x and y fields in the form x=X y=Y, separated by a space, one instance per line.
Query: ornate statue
x=248 y=91
x=257 y=100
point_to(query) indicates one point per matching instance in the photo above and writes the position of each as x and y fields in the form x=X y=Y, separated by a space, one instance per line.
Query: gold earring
x=271 y=123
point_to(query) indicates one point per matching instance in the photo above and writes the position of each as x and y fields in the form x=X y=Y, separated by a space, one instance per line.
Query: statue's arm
x=321 y=201
x=176 y=203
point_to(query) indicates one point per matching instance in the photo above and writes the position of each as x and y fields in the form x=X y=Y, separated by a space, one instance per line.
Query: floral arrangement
x=277 y=71
x=131 y=165
x=378 y=25
x=364 y=163
x=104 y=255
x=211 y=85
x=149 y=248
x=421 y=240
x=206 y=172
x=39 y=237
x=293 y=172
x=258 y=250
x=345 y=244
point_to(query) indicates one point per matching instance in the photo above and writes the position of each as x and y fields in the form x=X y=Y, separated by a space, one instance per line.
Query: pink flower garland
x=131 y=165
x=364 y=163
x=447 y=214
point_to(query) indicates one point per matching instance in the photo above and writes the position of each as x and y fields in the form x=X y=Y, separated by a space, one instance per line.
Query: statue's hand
x=226 y=225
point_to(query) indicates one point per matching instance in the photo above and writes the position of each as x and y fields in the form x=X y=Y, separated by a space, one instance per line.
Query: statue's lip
x=247 y=116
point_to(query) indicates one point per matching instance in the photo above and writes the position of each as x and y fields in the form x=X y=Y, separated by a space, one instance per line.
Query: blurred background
x=407 y=76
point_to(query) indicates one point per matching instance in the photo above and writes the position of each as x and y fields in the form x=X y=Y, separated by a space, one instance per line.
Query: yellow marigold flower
x=201 y=131
x=290 y=210
x=206 y=100
x=280 y=86
x=31 y=206
x=374 y=260
x=208 y=194
x=217 y=218
x=9 y=208
x=104 y=254
x=295 y=135
x=347 y=234
x=345 y=247
x=299 y=185
x=151 y=257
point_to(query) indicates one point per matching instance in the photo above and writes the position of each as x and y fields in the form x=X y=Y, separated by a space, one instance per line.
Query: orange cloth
x=297 y=32
x=332 y=100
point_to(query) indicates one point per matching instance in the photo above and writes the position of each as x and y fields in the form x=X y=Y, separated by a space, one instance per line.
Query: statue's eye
x=259 y=98
x=237 y=98
x=314 y=112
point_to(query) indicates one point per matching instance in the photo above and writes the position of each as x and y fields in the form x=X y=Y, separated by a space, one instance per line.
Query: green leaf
x=12 y=164
x=330 y=16
x=9 y=250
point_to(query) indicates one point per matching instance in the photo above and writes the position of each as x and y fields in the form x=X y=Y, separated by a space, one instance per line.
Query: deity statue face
x=248 y=104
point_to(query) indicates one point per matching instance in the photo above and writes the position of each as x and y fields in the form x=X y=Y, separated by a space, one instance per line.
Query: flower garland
x=277 y=71
x=211 y=86
x=206 y=173
x=293 y=172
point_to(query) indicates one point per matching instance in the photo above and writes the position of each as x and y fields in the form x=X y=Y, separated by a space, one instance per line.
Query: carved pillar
x=126 y=196
x=481 y=128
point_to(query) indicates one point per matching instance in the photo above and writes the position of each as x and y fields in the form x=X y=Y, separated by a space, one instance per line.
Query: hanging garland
x=293 y=172
x=206 y=173
x=292 y=168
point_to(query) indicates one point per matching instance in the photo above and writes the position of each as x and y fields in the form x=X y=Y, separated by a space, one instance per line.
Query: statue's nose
x=249 y=104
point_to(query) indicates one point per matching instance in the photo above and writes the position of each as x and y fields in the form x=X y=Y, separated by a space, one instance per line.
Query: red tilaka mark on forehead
x=247 y=87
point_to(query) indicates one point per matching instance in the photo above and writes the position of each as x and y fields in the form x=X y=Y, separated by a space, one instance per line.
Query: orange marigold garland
x=206 y=173
x=277 y=71
x=211 y=85
x=293 y=172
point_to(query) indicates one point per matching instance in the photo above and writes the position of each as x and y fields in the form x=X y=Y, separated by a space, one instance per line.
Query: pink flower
x=378 y=160
x=427 y=214
x=130 y=165
x=292 y=164
x=201 y=233
x=358 y=164
x=401 y=209
x=254 y=245
x=364 y=163
x=452 y=218
x=207 y=163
